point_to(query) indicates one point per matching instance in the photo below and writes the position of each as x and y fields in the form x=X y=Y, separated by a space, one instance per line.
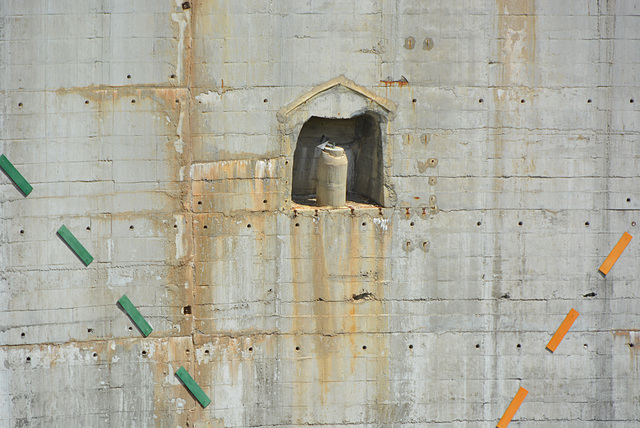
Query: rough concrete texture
x=163 y=136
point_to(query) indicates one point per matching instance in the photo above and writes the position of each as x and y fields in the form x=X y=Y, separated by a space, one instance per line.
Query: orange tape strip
x=513 y=408
x=612 y=258
x=562 y=330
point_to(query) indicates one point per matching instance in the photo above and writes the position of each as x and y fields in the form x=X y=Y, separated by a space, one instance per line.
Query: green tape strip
x=193 y=387
x=135 y=315
x=75 y=245
x=14 y=175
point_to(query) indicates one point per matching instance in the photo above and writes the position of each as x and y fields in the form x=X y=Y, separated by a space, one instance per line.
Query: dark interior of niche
x=360 y=137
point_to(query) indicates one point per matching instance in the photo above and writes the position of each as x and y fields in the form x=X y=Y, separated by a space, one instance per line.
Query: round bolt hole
x=144 y=352
x=589 y=100
x=130 y=328
x=21 y=232
x=28 y=359
x=206 y=351
x=297 y=224
x=128 y=76
x=133 y=101
x=22 y=334
x=175 y=226
x=631 y=345
x=477 y=345
x=19 y=104
x=633 y=224
x=173 y=76
x=265 y=100
x=88 y=228
x=480 y=100
x=585 y=346
x=631 y=101
x=177 y=101
x=518 y=346
x=187 y=351
x=364 y=223
x=131 y=227
x=628 y=199
x=297 y=348
x=414 y=100
x=205 y=227
x=89 y=330
x=519 y=223
x=479 y=223
x=264 y=201
x=250 y=349
x=410 y=346
x=95 y=355
x=412 y=224
x=364 y=347
x=86 y=102
x=522 y=101
x=586 y=223
x=286 y=162
x=199 y=202
x=248 y=226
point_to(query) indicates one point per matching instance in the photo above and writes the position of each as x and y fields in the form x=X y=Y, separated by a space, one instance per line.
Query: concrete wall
x=163 y=137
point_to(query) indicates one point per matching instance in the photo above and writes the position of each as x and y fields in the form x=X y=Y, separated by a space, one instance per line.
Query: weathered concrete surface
x=163 y=135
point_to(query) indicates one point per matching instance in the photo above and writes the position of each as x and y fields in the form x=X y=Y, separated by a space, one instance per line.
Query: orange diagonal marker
x=562 y=330
x=513 y=408
x=612 y=258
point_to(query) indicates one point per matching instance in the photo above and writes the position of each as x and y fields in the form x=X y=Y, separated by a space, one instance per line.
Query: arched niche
x=354 y=118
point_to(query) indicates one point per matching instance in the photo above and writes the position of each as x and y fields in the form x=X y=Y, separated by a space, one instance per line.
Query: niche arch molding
x=339 y=98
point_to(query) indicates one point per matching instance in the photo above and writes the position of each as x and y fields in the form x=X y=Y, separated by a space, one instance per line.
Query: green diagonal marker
x=192 y=386
x=75 y=245
x=135 y=315
x=14 y=175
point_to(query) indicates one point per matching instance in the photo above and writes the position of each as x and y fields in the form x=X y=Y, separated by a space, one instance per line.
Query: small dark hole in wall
x=177 y=101
x=19 y=104
x=28 y=359
x=264 y=201
x=187 y=351
x=586 y=223
x=297 y=348
x=414 y=100
x=131 y=227
x=297 y=224
x=589 y=100
x=364 y=347
x=410 y=346
x=186 y=5
x=133 y=101
x=518 y=346
x=248 y=226
x=477 y=345
x=633 y=224
x=628 y=199
x=265 y=100
x=89 y=330
x=128 y=76
x=88 y=228
x=205 y=226
x=631 y=101
x=592 y=294
x=364 y=223
x=186 y=310
x=173 y=76
x=412 y=224
x=480 y=100
x=144 y=352
x=86 y=102
x=522 y=101
x=479 y=223
x=95 y=355
x=175 y=226
x=519 y=223
x=22 y=334
x=631 y=345
x=250 y=349
x=585 y=346
x=21 y=232
x=206 y=351
x=199 y=202
x=130 y=328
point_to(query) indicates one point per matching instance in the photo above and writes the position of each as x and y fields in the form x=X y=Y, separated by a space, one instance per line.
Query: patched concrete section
x=493 y=166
